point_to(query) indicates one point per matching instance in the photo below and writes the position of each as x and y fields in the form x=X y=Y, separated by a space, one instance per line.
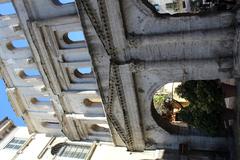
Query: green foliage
x=158 y=99
x=195 y=5
x=206 y=105
x=159 y=103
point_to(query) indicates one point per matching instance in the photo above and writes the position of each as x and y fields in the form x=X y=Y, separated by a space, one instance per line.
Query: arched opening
x=29 y=73
x=70 y=151
x=165 y=105
x=62 y=2
x=17 y=44
x=167 y=102
x=73 y=37
x=53 y=125
x=193 y=107
x=41 y=100
x=172 y=7
x=92 y=102
x=100 y=128
x=83 y=72
x=7 y=8
x=56 y=148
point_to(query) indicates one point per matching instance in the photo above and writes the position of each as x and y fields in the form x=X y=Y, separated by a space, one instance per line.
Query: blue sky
x=66 y=1
x=6 y=8
x=5 y=108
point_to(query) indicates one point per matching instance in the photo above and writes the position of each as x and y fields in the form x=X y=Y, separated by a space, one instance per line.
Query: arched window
x=17 y=44
x=63 y=2
x=66 y=1
x=100 y=128
x=7 y=9
x=41 y=100
x=73 y=37
x=29 y=73
x=53 y=125
x=71 y=151
x=92 y=102
x=83 y=72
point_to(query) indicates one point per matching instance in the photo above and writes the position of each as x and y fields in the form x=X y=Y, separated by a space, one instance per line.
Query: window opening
x=54 y=125
x=83 y=72
x=17 y=44
x=63 y=2
x=100 y=128
x=72 y=151
x=29 y=73
x=15 y=143
x=73 y=37
x=66 y=1
x=40 y=100
x=92 y=102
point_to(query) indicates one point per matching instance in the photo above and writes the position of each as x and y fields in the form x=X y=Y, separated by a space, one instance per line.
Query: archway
x=173 y=7
x=192 y=108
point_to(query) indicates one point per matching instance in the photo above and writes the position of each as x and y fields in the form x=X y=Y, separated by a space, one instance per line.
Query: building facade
x=55 y=96
x=18 y=144
x=144 y=50
x=171 y=6
x=100 y=87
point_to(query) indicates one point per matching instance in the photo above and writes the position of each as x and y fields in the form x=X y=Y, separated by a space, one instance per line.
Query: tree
x=206 y=105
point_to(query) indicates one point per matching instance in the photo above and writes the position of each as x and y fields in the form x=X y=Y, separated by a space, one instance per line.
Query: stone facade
x=132 y=50
x=55 y=100
x=137 y=51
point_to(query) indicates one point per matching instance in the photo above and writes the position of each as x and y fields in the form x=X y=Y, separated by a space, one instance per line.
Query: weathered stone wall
x=22 y=89
x=60 y=99
x=136 y=51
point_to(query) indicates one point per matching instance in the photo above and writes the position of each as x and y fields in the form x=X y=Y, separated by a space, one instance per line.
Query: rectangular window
x=74 y=151
x=15 y=143
x=184 y=4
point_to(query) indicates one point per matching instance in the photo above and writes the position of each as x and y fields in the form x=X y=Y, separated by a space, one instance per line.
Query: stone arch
x=168 y=119
x=161 y=121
